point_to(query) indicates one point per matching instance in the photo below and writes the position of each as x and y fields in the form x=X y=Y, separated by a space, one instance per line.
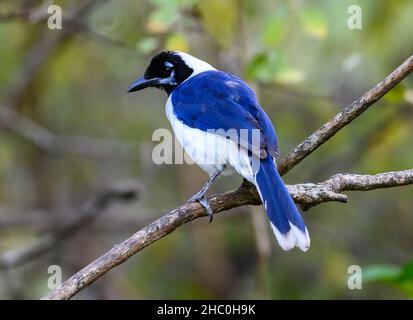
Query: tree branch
x=343 y=118
x=306 y=194
x=311 y=194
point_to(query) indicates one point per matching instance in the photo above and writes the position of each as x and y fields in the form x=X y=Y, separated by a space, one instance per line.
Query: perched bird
x=203 y=105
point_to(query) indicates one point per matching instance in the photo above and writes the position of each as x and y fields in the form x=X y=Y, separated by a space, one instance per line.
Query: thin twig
x=312 y=194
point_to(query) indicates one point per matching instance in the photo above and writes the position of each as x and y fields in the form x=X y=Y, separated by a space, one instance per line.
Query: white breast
x=208 y=150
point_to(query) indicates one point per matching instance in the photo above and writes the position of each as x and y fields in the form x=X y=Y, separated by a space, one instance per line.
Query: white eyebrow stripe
x=168 y=64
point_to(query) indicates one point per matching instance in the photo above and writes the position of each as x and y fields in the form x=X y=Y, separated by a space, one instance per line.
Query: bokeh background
x=69 y=130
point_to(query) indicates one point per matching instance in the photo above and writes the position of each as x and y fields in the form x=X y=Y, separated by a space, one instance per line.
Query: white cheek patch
x=168 y=64
x=194 y=63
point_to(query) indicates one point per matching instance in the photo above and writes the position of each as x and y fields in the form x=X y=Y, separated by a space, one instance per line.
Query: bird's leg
x=200 y=195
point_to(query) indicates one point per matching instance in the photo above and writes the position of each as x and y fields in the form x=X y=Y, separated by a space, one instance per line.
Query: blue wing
x=215 y=100
x=218 y=100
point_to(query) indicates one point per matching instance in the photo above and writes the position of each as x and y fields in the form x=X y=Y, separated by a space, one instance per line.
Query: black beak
x=142 y=83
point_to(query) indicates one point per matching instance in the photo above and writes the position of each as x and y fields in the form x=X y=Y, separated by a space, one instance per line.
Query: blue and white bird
x=203 y=105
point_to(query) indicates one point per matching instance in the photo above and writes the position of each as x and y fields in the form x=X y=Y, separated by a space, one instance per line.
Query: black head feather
x=163 y=64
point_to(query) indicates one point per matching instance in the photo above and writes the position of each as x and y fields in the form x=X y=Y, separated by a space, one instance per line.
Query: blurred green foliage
x=400 y=277
x=303 y=62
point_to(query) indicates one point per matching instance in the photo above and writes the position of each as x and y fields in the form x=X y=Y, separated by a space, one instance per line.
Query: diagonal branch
x=307 y=194
x=343 y=118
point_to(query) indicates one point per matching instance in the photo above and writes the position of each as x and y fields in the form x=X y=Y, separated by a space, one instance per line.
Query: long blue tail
x=286 y=221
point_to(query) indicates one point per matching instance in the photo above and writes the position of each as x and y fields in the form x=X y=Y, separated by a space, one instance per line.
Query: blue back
x=219 y=100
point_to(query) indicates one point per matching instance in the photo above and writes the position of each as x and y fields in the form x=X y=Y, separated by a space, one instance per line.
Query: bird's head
x=168 y=69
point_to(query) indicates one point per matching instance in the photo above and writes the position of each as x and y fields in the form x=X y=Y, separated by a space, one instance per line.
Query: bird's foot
x=204 y=203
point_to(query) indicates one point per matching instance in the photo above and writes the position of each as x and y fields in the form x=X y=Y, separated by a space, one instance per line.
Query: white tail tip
x=293 y=238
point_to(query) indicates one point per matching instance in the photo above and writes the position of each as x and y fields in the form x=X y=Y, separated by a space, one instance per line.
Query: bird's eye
x=168 y=65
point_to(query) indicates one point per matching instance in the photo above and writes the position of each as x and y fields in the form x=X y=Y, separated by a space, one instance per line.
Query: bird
x=203 y=105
